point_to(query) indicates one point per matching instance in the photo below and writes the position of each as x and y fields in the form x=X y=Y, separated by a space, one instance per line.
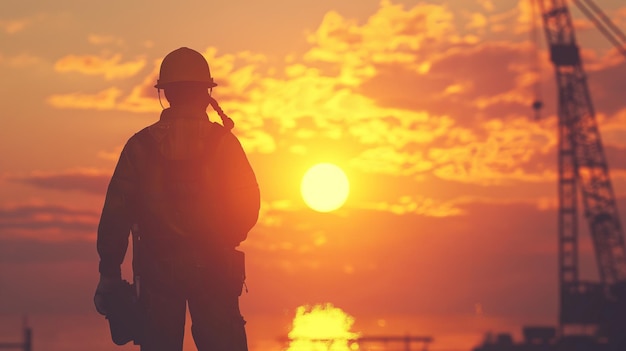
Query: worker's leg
x=164 y=306
x=217 y=324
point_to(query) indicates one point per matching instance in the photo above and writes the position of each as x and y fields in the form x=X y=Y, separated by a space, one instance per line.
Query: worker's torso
x=179 y=193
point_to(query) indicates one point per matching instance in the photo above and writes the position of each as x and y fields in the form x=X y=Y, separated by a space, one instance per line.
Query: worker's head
x=185 y=78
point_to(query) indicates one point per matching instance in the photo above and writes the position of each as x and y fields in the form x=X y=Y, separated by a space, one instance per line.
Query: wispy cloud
x=111 y=155
x=103 y=100
x=20 y=60
x=31 y=250
x=88 y=181
x=47 y=223
x=411 y=91
x=12 y=26
x=487 y=5
x=507 y=152
x=98 y=39
x=110 y=68
x=418 y=205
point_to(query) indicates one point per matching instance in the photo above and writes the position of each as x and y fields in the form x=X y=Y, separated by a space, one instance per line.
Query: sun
x=325 y=187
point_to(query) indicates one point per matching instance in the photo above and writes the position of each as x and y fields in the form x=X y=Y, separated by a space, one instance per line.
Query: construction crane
x=592 y=315
x=585 y=307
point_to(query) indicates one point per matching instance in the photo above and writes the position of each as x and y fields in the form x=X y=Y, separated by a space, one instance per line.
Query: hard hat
x=184 y=65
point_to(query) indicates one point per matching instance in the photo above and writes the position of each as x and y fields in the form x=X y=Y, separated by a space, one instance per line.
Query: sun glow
x=322 y=328
x=325 y=187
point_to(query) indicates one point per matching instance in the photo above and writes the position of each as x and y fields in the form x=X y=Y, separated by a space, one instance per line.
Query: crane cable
x=535 y=60
x=603 y=23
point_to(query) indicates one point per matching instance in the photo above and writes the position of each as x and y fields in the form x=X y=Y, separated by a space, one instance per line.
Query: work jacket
x=181 y=184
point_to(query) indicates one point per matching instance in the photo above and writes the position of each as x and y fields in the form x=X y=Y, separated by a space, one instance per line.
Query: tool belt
x=187 y=263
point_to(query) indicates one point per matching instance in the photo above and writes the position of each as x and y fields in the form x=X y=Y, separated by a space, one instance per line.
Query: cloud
x=477 y=20
x=487 y=5
x=47 y=223
x=20 y=60
x=408 y=92
x=606 y=91
x=28 y=250
x=88 y=181
x=620 y=17
x=103 y=100
x=143 y=97
x=112 y=155
x=390 y=161
x=613 y=128
x=391 y=30
x=14 y=26
x=419 y=205
x=410 y=114
x=97 y=39
x=508 y=152
x=258 y=141
x=616 y=160
x=235 y=74
x=110 y=68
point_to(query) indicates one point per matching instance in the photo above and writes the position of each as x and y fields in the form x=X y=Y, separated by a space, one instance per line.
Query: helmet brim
x=165 y=85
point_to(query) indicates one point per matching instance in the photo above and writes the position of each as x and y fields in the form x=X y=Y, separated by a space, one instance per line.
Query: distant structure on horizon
x=25 y=345
x=383 y=340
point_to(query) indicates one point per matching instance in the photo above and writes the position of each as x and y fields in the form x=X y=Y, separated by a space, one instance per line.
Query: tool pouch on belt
x=236 y=271
x=123 y=313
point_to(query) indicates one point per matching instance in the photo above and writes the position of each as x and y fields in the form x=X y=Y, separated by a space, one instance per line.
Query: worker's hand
x=105 y=287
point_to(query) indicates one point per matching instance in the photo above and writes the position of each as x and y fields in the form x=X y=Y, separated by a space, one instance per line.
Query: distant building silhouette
x=25 y=345
x=385 y=340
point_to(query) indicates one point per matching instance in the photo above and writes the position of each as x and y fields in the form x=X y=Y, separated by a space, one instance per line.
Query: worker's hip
x=221 y=273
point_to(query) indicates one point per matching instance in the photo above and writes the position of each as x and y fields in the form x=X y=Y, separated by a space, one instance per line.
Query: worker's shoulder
x=227 y=138
x=140 y=137
x=140 y=141
x=219 y=130
x=156 y=131
x=159 y=130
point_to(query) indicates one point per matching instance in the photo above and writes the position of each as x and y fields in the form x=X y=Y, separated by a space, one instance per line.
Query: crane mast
x=592 y=314
x=582 y=167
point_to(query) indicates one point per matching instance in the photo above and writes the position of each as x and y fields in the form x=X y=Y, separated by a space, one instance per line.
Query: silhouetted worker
x=185 y=189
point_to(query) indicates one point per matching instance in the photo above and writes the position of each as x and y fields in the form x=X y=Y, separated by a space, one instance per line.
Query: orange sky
x=450 y=226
